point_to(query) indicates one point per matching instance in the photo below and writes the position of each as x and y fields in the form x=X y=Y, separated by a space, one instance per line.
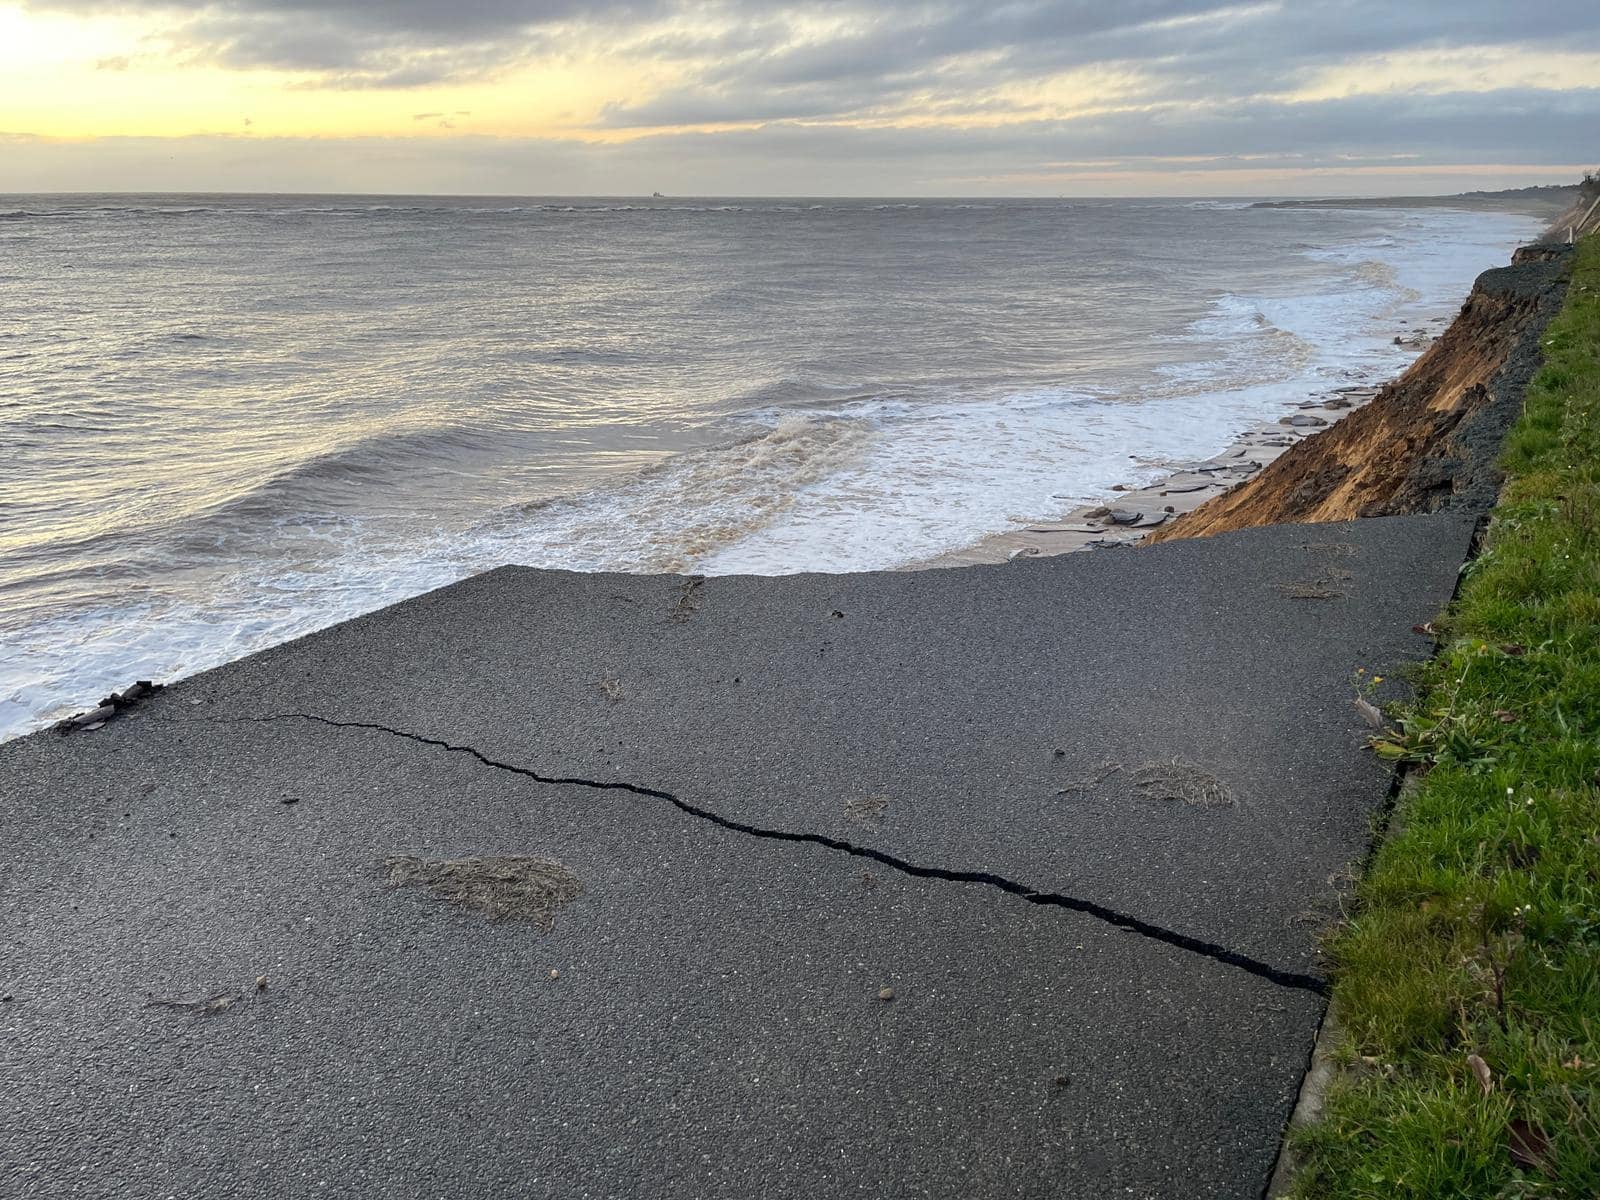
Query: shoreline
x=1156 y=490
x=1542 y=202
x=1127 y=517
x=1133 y=512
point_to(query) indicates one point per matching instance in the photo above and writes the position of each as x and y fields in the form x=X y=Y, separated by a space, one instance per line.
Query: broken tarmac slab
x=718 y=979
x=705 y=1020
x=945 y=690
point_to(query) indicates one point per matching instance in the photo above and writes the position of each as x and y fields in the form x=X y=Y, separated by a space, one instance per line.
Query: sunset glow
x=528 y=95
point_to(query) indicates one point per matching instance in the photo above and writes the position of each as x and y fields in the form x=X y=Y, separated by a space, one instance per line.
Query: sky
x=776 y=97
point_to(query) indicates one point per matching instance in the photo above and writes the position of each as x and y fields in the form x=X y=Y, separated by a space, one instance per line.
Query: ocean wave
x=673 y=515
x=387 y=423
x=330 y=478
x=1245 y=337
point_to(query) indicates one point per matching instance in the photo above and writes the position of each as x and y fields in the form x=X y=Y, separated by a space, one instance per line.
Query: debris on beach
x=501 y=886
x=116 y=702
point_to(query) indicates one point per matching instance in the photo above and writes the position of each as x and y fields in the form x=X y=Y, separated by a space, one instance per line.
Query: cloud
x=354 y=43
x=1191 y=51
x=1429 y=142
x=832 y=56
x=904 y=96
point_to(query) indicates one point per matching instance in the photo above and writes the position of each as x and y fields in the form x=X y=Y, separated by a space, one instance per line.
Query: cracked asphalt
x=782 y=796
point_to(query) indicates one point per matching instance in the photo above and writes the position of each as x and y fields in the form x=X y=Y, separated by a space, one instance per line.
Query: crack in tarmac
x=1131 y=924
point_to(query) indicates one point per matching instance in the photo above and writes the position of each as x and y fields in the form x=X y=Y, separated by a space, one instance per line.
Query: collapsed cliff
x=1429 y=439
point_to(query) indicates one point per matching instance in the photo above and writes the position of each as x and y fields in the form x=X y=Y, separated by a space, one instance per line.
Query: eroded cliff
x=1430 y=438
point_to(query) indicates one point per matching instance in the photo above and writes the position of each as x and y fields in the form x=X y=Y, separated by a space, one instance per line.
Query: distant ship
x=657 y=196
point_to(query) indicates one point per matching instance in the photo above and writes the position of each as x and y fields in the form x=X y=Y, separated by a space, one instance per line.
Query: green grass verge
x=1467 y=982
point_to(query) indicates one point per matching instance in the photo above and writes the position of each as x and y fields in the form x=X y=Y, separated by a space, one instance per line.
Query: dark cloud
x=359 y=43
x=1193 y=51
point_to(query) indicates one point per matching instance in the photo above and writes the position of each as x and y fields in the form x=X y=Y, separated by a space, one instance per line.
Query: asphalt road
x=1082 y=816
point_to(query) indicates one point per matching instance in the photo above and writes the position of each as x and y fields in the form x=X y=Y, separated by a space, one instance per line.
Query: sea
x=226 y=421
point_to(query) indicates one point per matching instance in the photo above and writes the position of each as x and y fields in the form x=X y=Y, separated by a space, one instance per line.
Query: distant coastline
x=1546 y=203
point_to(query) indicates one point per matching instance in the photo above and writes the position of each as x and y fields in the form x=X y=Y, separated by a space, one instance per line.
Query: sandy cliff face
x=1430 y=438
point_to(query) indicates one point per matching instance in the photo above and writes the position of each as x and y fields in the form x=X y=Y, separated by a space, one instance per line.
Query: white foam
x=870 y=483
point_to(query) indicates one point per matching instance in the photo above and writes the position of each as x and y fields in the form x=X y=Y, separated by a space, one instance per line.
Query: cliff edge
x=1429 y=440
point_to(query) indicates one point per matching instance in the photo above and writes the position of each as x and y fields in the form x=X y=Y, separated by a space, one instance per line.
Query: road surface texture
x=996 y=881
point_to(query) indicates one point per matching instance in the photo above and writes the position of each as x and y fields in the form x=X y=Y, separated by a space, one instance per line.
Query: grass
x=1467 y=982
